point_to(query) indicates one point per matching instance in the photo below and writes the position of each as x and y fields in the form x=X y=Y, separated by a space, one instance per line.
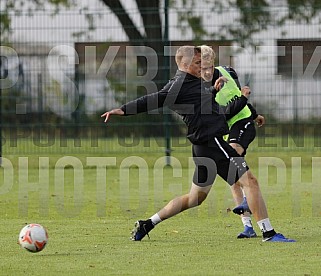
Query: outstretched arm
x=139 y=105
x=116 y=111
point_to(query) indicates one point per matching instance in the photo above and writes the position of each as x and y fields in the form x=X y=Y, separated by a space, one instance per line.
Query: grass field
x=89 y=213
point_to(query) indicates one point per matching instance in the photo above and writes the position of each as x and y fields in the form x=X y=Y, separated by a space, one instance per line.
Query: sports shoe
x=278 y=237
x=242 y=208
x=141 y=229
x=247 y=233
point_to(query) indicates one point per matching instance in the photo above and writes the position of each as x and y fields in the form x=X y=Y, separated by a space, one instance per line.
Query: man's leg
x=257 y=206
x=177 y=205
x=194 y=198
x=239 y=197
x=253 y=194
x=237 y=193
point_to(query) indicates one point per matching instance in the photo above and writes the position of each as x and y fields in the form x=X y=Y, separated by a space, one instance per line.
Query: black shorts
x=243 y=133
x=218 y=158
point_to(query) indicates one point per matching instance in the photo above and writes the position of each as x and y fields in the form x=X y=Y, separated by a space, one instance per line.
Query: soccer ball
x=33 y=237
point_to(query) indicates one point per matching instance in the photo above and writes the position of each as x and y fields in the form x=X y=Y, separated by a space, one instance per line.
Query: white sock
x=155 y=219
x=265 y=225
x=247 y=221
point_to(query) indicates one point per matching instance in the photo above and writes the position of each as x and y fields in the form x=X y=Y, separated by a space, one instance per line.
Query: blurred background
x=64 y=62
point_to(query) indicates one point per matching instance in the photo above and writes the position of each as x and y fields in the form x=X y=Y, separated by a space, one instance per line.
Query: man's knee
x=201 y=198
x=248 y=179
x=198 y=194
x=196 y=199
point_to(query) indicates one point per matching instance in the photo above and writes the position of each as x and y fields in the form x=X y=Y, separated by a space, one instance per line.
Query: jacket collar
x=186 y=75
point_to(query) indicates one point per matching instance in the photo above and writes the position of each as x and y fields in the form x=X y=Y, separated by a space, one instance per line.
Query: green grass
x=89 y=223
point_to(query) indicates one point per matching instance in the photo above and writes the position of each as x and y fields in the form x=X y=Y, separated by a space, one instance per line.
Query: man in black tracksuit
x=206 y=122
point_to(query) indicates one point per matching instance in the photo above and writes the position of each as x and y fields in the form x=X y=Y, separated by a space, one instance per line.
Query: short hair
x=187 y=52
x=207 y=53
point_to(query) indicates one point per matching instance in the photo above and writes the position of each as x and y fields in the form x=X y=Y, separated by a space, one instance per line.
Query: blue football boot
x=278 y=237
x=242 y=208
x=247 y=233
x=141 y=229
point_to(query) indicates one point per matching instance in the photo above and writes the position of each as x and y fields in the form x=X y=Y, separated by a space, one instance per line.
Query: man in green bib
x=241 y=126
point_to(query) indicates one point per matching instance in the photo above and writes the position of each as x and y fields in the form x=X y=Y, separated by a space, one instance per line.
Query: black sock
x=149 y=225
x=269 y=234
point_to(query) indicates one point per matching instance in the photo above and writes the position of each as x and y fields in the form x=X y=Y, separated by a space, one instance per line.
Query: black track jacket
x=186 y=95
